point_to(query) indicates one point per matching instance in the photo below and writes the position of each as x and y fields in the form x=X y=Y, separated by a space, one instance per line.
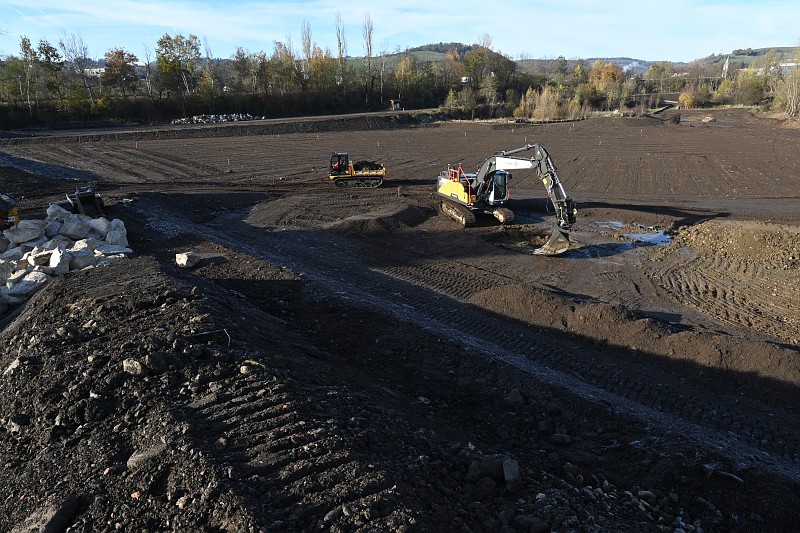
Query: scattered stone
x=54 y=515
x=140 y=457
x=561 y=439
x=187 y=259
x=512 y=475
x=134 y=368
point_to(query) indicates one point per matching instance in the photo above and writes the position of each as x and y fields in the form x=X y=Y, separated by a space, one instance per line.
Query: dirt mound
x=383 y=220
x=743 y=273
x=772 y=246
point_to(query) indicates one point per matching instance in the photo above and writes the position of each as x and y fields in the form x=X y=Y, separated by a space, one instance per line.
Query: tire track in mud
x=737 y=292
x=285 y=448
x=115 y=162
x=746 y=429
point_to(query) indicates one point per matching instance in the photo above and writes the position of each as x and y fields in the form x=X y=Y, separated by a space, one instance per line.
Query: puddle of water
x=658 y=237
x=651 y=237
x=611 y=224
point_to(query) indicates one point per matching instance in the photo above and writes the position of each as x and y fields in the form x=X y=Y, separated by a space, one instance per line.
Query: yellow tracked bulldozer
x=359 y=174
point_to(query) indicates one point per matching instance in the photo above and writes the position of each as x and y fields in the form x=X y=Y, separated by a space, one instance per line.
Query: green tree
x=451 y=102
x=468 y=101
x=488 y=90
x=284 y=72
x=322 y=71
x=658 y=75
x=120 y=71
x=51 y=63
x=724 y=92
x=176 y=63
x=749 y=87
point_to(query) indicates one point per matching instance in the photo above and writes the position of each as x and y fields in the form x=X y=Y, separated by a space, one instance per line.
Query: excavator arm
x=545 y=168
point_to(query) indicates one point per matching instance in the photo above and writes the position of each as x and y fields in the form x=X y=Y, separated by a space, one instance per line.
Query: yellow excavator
x=9 y=214
x=487 y=191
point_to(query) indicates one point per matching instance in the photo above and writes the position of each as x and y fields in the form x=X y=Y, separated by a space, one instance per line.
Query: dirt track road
x=661 y=350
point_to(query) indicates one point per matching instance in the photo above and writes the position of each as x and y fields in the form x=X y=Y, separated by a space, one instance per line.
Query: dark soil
x=346 y=360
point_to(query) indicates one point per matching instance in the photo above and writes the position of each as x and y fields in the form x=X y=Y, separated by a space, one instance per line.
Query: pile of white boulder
x=34 y=251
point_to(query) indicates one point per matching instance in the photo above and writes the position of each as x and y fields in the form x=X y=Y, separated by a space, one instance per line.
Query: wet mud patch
x=520 y=238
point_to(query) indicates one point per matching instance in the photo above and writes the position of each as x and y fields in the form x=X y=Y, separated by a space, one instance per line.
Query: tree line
x=46 y=84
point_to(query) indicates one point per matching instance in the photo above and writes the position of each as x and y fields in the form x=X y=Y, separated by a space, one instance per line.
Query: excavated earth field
x=352 y=360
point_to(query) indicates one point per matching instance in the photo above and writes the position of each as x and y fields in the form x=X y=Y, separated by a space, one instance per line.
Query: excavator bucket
x=558 y=243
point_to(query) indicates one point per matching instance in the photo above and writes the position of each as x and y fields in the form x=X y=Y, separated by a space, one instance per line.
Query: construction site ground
x=353 y=360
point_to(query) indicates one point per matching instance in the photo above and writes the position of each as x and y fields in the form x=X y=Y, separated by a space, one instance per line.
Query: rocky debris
x=36 y=250
x=767 y=245
x=216 y=119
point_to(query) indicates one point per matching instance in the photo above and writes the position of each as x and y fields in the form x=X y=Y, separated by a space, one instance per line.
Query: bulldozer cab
x=340 y=163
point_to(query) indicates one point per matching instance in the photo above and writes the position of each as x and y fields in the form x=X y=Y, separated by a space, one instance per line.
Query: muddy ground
x=352 y=360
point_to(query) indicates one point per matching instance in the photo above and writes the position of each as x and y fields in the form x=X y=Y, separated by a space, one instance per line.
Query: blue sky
x=679 y=30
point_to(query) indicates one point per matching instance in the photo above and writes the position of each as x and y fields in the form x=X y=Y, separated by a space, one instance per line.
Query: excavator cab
x=498 y=188
x=340 y=163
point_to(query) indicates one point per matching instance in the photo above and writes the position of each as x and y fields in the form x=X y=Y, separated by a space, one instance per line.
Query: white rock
x=37 y=256
x=53 y=228
x=76 y=227
x=15 y=278
x=25 y=231
x=87 y=244
x=117 y=234
x=101 y=225
x=187 y=259
x=60 y=260
x=81 y=258
x=112 y=249
x=57 y=212
x=28 y=285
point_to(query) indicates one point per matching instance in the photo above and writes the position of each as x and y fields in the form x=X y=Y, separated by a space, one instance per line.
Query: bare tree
x=341 y=41
x=369 y=79
x=792 y=83
x=384 y=60
x=305 y=36
x=76 y=56
x=148 y=71
x=29 y=63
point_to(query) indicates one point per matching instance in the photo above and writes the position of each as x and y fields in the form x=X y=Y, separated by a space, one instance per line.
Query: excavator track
x=505 y=216
x=459 y=213
x=358 y=183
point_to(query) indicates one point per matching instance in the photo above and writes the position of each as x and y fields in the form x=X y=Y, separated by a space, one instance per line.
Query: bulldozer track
x=435 y=299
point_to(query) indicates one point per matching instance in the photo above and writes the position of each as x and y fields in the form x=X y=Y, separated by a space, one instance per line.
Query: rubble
x=36 y=250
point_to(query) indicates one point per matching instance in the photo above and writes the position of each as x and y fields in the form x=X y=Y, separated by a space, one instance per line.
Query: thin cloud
x=682 y=31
